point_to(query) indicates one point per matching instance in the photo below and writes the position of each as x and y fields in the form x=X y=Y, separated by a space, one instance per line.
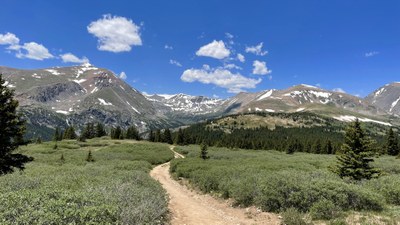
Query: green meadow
x=113 y=189
x=299 y=186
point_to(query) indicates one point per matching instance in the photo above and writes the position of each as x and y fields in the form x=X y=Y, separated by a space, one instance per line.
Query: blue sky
x=192 y=46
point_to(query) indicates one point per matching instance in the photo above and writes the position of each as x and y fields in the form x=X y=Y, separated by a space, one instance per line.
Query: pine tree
x=12 y=129
x=117 y=133
x=60 y=135
x=392 y=143
x=56 y=135
x=328 y=149
x=82 y=138
x=203 y=151
x=89 y=131
x=66 y=133
x=167 y=138
x=294 y=146
x=89 y=157
x=72 y=132
x=354 y=162
x=151 y=136
x=132 y=133
x=291 y=148
x=69 y=133
x=317 y=148
x=62 y=159
x=121 y=136
x=157 y=136
x=180 y=138
x=112 y=133
x=99 y=130
x=39 y=140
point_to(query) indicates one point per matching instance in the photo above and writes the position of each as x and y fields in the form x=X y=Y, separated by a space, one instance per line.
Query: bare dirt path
x=192 y=208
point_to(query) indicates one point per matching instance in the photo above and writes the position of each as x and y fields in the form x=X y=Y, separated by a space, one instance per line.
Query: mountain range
x=76 y=95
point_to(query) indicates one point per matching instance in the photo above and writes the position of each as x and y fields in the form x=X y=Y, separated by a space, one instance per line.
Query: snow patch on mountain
x=87 y=66
x=348 y=118
x=53 y=71
x=309 y=86
x=380 y=91
x=103 y=102
x=266 y=95
x=134 y=109
x=62 y=112
x=79 y=81
x=94 y=90
x=321 y=94
x=187 y=103
x=8 y=84
x=394 y=104
x=36 y=76
x=166 y=96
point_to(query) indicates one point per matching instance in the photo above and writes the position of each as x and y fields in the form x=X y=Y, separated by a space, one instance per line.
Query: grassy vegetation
x=277 y=182
x=114 y=189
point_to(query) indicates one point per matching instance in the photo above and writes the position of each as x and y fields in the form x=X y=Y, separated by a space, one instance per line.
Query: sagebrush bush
x=292 y=216
x=115 y=189
x=388 y=186
x=275 y=181
x=324 y=210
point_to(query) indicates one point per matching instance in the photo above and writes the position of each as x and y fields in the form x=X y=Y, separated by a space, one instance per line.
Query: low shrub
x=292 y=216
x=388 y=187
x=324 y=210
x=275 y=181
x=115 y=189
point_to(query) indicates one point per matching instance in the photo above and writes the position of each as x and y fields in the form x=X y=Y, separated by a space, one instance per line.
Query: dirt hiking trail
x=192 y=208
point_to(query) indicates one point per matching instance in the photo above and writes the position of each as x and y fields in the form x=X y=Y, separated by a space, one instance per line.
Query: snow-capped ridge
x=309 y=86
x=348 y=118
x=266 y=94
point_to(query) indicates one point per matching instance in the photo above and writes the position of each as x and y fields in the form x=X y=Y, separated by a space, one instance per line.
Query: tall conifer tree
x=354 y=162
x=12 y=129
x=392 y=143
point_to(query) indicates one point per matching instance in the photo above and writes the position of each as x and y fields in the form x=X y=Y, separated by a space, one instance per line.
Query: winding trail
x=191 y=208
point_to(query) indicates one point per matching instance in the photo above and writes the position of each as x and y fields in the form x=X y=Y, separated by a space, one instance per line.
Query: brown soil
x=192 y=208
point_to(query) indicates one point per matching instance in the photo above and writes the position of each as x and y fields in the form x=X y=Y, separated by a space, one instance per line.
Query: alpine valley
x=77 y=95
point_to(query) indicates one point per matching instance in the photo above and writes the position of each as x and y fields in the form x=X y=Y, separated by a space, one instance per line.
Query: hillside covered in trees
x=291 y=132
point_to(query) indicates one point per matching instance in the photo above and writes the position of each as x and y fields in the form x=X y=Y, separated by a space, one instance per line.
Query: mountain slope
x=301 y=98
x=81 y=94
x=77 y=95
x=386 y=98
x=187 y=109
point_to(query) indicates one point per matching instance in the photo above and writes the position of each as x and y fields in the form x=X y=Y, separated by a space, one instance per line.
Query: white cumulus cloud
x=241 y=57
x=232 y=66
x=257 y=50
x=169 y=47
x=260 y=68
x=115 y=33
x=229 y=35
x=8 y=39
x=220 y=77
x=370 y=54
x=71 y=58
x=32 y=50
x=29 y=50
x=174 y=62
x=215 y=49
x=122 y=75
